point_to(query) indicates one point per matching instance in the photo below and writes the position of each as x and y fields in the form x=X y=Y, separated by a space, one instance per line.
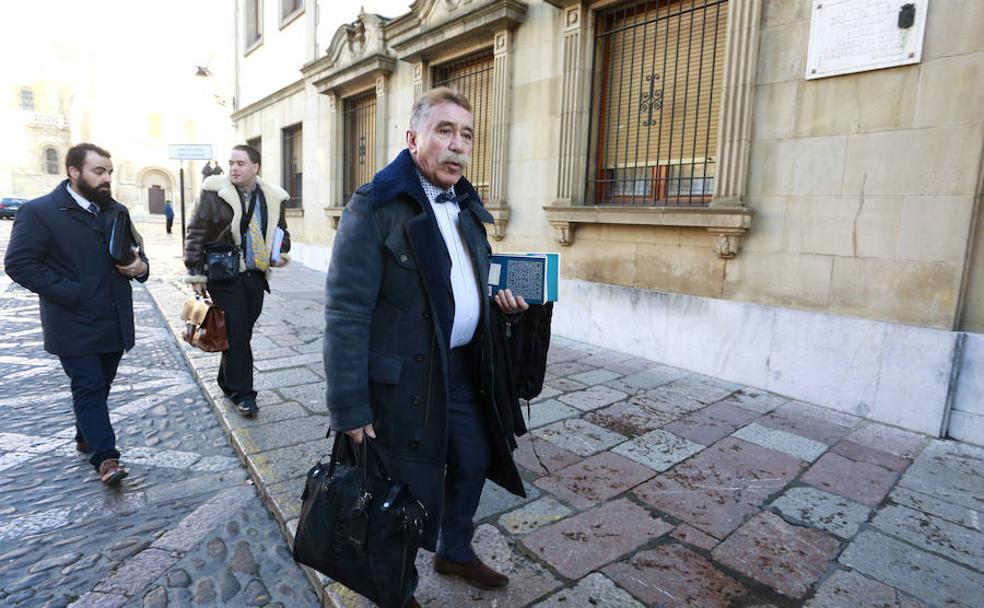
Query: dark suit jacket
x=60 y=252
x=388 y=315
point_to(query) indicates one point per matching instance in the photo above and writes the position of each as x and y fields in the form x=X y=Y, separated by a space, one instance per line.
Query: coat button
x=415 y=401
x=414 y=445
x=426 y=314
x=403 y=257
x=419 y=358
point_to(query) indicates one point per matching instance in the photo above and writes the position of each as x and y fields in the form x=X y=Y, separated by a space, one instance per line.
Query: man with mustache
x=59 y=250
x=407 y=347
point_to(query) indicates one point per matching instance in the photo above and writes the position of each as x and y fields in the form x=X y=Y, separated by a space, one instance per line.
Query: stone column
x=381 y=128
x=335 y=156
x=501 y=102
x=421 y=79
x=574 y=99
x=737 y=95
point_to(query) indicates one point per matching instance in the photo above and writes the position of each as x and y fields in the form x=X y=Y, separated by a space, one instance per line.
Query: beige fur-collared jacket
x=218 y=210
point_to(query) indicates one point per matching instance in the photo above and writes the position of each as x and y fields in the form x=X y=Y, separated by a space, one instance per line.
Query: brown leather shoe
x=475 y=573
x=110 y=472
x=412 y=603
x=81 y=446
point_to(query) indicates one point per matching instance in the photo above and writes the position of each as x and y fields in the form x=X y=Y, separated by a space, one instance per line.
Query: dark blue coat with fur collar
x=388 y=317
x=60 y=252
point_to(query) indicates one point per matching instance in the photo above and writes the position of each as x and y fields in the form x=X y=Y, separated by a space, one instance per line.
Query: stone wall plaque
x=848 y=36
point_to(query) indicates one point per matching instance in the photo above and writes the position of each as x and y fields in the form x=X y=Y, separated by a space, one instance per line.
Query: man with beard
x=59 y=250
x=408 y=339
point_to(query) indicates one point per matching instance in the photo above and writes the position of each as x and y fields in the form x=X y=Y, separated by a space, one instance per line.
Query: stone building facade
x=714 y=207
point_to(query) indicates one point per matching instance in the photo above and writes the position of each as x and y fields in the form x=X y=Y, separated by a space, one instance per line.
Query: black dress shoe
x=412 y=603
x=248 y=407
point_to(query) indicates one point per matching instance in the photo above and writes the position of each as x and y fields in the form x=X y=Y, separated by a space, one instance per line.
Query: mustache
x=453 y=157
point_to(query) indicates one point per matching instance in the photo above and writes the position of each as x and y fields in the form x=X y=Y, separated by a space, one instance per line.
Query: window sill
x=294 y=212
x=253 y=46
x=291 y=18
x=726 y=224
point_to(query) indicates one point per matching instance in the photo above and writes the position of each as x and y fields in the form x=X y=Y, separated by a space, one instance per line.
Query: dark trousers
x=242 y=301
x=469 y=456
x=170 y=223
x=92 y=376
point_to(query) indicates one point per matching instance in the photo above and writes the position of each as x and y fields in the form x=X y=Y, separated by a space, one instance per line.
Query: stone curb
x=320 y=583
x=141 y=570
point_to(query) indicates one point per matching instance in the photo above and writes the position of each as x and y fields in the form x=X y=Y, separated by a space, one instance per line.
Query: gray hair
x=434 y=97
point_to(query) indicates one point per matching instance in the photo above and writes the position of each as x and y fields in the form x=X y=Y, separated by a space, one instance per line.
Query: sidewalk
x=659 y=487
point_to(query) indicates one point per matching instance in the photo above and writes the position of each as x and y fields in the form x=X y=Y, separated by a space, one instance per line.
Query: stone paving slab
x=781 y=441
x=579 y=436
x=789 y=559
x=760 y=402
x=595 y=479
x=928 y=577
x=542 y=457
x=672 y=575
x=822 y=510
x=534 y=515
x=933 y=505
x=495 y=500
x=546 y=412
x=933 y=534
x=904 y=444
x=593 y=398
x=949 y=471
x=716 y=490
x=593 y=590
x=655 y=376
x=585 y=542
x=658 y=450
x=528 y=581
x=860 y=481
x=629 y=418
x=847 y=588
x=595 y=376
x=861 y=453
x=711 y=424
x=272 y=435
x=798 y=423
x=694 y=537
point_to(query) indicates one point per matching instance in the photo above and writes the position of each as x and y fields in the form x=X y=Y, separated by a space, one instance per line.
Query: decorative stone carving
x=563 y=232
x=727 y=243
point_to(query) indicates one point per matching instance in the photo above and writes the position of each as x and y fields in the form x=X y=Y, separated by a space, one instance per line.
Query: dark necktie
x=93 y=209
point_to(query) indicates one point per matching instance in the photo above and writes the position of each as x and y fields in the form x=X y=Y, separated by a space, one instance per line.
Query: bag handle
x=362 y=452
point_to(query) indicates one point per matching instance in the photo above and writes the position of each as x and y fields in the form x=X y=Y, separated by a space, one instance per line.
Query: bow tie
x=444 y=197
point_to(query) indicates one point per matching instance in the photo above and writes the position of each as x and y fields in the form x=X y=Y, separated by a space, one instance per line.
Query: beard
x=102 y=197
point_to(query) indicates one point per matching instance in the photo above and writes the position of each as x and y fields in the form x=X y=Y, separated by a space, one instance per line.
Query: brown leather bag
x=205 y=326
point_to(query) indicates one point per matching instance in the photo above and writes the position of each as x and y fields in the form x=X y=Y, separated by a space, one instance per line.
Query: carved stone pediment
x=355 y=41
x=434 y=26
x=357 y=54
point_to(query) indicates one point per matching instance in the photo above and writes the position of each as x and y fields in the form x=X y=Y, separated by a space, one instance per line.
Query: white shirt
x=81 y=200
x=464 y=282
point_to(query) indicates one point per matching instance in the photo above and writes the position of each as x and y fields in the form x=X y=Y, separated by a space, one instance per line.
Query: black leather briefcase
x=360 y=527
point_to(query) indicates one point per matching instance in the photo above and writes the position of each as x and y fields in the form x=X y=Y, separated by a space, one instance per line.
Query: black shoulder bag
x=359 y=527
x=222 y=261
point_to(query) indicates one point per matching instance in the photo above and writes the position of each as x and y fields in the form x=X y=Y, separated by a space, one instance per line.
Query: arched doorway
x=157 y=185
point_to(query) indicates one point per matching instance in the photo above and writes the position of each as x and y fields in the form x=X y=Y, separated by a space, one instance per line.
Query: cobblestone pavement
x=649 y=485
x=185 y=528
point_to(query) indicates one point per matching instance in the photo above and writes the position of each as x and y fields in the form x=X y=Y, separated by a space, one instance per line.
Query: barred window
x=254 y=28
x=27 y=99
x=658 y=68
x=51 y=161
x=292 y=171
x=360 y=141
x=473 y=76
